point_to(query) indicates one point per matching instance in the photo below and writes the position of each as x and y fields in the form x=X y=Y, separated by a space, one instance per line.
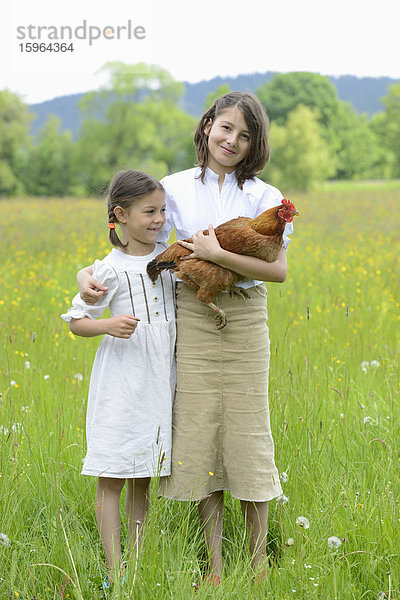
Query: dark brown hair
x=124 y=190
x=257 y=122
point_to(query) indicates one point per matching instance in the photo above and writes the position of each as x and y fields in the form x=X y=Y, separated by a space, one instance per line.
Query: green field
x=334 y=391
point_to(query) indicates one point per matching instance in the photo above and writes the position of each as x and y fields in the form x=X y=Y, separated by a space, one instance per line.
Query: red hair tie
x=111 y=226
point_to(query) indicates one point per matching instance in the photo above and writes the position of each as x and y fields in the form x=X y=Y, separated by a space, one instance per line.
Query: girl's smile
x=228 y=141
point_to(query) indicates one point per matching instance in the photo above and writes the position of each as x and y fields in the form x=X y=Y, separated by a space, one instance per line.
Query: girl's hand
x=122 y=326
x=90 y=290
x=205 y=247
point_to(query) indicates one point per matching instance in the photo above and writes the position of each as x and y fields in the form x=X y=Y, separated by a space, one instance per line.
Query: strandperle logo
x=86 y=32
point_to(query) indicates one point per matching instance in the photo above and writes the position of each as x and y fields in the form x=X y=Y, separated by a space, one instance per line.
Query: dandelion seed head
x=303 y=522
x=290 y=542
x=334 y=542
x=78 y=376
x=282 y=499
x=365 y=366
x=5 y=540
x=374 y=364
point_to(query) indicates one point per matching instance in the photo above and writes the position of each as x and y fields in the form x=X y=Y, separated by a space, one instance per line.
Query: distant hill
x=363 y=93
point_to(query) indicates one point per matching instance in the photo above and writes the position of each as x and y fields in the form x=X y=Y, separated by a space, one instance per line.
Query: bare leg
x=137 y=506
x=109 y=519
x=211 y=516
x=256 y=517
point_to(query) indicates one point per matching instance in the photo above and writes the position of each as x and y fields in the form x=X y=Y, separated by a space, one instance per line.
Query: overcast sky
x=195 y=40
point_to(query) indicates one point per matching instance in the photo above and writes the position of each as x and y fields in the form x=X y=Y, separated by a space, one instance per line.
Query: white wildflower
x=25 y=408
x=381 y=595
x=284 y=477
x=46 y=377
x=27 y=364
x=17 y=427
x=5 y=540
x=78 y=376
x=365 y=366
x=374 y=364
x=334 y=542
x=13 y=383
x=303 y=522
x=3 y=430
x=367 y=420
x=282 y=499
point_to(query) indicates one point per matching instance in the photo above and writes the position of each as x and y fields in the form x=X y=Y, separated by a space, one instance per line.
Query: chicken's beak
x=296 y=213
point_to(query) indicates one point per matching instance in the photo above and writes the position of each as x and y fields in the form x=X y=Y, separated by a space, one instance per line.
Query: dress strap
x=130 y=292
x=145 y=298
x=163 y=293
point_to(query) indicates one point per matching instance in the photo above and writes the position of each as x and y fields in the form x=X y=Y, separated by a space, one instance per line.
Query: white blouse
x=193 y=205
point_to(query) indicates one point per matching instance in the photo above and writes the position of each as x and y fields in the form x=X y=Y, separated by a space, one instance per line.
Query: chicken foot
x=220 y=316
x=238 y=291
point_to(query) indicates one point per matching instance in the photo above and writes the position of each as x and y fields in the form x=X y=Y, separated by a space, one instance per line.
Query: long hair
x=257 y=122
x=127 y=187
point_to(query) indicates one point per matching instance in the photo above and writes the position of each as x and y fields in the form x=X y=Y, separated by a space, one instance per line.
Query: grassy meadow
x=334 y=402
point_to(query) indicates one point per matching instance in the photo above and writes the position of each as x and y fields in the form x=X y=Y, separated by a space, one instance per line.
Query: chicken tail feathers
x=154 y=268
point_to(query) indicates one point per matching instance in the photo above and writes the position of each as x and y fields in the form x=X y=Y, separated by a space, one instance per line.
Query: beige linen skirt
x=221 y=436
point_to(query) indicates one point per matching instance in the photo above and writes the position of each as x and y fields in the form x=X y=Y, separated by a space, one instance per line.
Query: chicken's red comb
x=288 y=203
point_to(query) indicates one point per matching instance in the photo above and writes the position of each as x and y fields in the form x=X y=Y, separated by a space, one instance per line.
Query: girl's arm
x=207 y=247
x=90 y=289
x=120 y=326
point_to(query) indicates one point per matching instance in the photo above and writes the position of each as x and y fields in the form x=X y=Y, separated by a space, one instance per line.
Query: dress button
x=155 y=299
x=153 y=283
x=157 y=314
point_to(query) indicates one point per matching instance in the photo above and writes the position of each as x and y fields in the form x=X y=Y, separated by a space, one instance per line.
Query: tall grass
x=334 y=388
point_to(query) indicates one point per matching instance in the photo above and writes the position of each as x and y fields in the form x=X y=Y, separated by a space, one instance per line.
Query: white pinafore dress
x=128 y=426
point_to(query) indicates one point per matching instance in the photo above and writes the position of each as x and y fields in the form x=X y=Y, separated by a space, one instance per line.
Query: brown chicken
x=260 y=237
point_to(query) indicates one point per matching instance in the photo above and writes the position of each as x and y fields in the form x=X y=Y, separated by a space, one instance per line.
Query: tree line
x=136 y=121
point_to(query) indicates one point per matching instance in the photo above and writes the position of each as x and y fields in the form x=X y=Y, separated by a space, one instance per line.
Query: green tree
x=356 y=146
x=387 y=127
x=286 y=91
x=14 y=139
x=385 y=165
x=143 y=127
x=212 y=96
x=48 y=168
x=300 y=156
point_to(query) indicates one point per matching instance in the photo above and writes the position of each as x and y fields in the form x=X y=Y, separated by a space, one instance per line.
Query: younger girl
x=131 y=389
x=221 y=430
